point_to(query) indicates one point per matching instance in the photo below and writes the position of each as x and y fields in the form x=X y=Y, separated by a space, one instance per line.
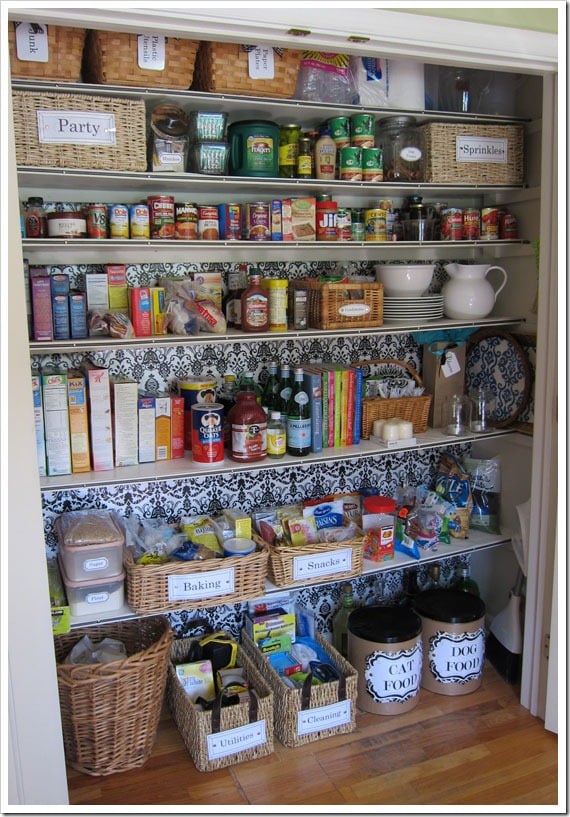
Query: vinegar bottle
x=465 y=582
x=255 y=306
x=283 y=391
x=298 y=418
x=269 y=393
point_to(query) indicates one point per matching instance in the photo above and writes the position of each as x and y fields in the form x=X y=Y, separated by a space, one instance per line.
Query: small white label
x=451 y=365
x=354 y=310
x=457 y=658
x=95 y=564
x=482 y=149
x=76 y=127
x=236 y=740
x=261 y=62
x=97 y=598
x=323 y=717
x=322 y=564
x=411 y=154
x=192 y=586
x=152 y=51
x=393 y=677
x=32 y=42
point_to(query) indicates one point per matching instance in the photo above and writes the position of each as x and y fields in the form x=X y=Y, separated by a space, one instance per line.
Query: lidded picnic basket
x=64 y=54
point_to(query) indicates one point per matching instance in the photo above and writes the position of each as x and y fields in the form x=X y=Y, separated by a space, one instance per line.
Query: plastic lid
x=379 y=504
x=387 y=625
x=451 y=606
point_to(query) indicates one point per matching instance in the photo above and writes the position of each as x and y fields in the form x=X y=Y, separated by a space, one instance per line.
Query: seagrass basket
x=443 y=154
x=290 y=704
x=340 y=560
x=110 y=712
x=357 y=305
x=412 y=409
x=65 y=51
x=224 y=68
x=208 y=734
x=152 y=588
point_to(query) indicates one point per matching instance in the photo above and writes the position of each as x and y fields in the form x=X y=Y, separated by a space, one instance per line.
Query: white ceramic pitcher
x=468 y=294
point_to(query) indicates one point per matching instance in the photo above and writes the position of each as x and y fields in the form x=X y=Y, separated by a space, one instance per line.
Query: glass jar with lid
x=402 y=142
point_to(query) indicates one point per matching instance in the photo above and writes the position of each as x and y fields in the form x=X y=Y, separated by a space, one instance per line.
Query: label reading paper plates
x=261 y=62
x=235 y=740
x=323 y=717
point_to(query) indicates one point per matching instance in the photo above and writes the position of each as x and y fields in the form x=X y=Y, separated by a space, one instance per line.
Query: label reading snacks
x=76 y=128
x=482 y=149
x=194 y=586
x=322 y=564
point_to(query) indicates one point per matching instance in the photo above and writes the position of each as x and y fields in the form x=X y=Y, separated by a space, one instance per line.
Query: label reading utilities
x=231 y=741
x=76 y=127
x=483 y=149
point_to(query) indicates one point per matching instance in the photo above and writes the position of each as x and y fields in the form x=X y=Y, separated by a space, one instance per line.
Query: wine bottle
x=298 y=418
x=283 y=391
x=340 y=620
x=465 y=583
x=269 y=392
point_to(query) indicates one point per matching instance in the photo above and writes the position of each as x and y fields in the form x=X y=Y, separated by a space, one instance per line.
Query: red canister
x=471 y=224
x=161 y=216
x=508 y=226
x=207 y=433
x=490 y=223
x=452 y=224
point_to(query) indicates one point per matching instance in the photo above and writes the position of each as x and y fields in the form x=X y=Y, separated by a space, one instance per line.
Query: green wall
x=535 y=19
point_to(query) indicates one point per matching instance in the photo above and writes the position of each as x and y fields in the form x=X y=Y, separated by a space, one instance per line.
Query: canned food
x=343 y=224
x=230 y=221
x=118 y=221
x=362 y=130
x=258 y=221
x=161 y=217
x=452 y=224
x=207 y=433
x=358 y=229
x=186 y=221
x=96 y=218
x=490 y=223
x=372 y=165
x=508 y=226
x=351 y=164
x=66 y=225
x=375 y=224
x=340 y=131
x=208 y=223
x=140 y=220
x=471 y=224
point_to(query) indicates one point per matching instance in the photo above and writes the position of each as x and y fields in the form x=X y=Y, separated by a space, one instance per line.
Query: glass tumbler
x=456 y=414
x=482 y=410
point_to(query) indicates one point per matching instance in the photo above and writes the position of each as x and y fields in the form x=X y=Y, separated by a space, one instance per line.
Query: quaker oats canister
x=207 y=433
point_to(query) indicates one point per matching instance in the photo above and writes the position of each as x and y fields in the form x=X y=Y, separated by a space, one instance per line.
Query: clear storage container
x=91 y=598
x=402 y=143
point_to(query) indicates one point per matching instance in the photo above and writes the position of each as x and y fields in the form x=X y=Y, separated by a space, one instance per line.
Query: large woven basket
x=198 y=728
x=288 y=703
x=343 y=305
x=442 y=167
x=412 y=409
x=110 y=712
x=111 y=58
x=224 y=68
x=148 y=585
x=65 y=51
x=128 y=115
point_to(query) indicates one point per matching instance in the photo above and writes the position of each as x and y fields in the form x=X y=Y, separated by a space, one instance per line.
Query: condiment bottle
x=305 y=158
x=325 y=156
x=340 y=620
x=232 y=302
x=298 y=418
x=276 y=436
x=255 y=306
x=35 y=219
x=248 y=424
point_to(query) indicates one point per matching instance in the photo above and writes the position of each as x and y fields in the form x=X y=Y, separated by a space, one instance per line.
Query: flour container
x=453 y=638
x=384 y=645
x=254 y=148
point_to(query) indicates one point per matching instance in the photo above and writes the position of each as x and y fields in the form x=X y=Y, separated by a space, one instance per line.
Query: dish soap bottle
x=340 y=620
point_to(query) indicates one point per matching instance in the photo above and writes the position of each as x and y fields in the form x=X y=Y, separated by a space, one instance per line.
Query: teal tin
x=254 y=149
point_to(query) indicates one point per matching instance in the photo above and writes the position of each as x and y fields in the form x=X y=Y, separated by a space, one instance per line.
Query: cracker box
x=162 y=444
x=78 y=421
x=147 y=427
x=124 y=401
x=42 y=315
x=96 y=287
x=303 y=218
x=100 y=425
x=56 y=420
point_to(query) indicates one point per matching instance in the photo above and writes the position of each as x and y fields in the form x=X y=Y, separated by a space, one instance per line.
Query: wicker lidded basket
x=197 y=727
x=111 y=58
x=343 y=305
x=65 y=52
x=224 y=68
x=110 y=712
x=288 y=702
x=412 y=409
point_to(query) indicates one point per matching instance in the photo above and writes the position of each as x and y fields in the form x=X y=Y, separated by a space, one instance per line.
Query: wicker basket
x=110 y=712
x=224 y=68
x=289 y=703
x=148 y=586
x=343 y=306
x=65 y=50
x=128 y=115
x=412 y=409
x=197 y=727
x=111 y=58
x=442 y=167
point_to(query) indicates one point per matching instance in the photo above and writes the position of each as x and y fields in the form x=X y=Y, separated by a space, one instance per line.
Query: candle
x=406 y=430
x=377 y=427
x=391 y=430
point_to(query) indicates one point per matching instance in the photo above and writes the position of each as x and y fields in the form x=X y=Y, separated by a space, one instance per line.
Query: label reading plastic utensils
x=151 y=52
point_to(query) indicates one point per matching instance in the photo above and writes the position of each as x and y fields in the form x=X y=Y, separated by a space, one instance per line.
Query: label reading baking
x=152 y=51
x=322 y=564
x=481 y=149
x=76 y=127
x=193 y=586
x=457 y=658
x=31 y=42
x=261 y=62
x=324 y=717
x=231 y=741
x=393 y=677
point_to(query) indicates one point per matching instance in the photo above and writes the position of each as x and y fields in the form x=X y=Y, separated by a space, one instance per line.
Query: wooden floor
x=477 y=749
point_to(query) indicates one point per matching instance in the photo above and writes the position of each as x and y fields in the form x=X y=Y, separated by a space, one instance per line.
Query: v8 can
x=96 y=217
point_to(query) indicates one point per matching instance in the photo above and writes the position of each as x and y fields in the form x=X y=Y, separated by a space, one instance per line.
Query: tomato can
x=230 y=221
x=258 y=221
x=186 y=221
x=490 y=223
x=375 y=224
x=471 y=224
x=97 y=221
x=118 y=221
x=208 y=223
x=452 y=224
x=161 y=217
x=207 y=433
x=508 y=226
x=139 y=220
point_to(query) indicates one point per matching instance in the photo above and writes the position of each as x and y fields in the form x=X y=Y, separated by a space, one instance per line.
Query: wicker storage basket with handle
x=65 y=51
x=412 y=409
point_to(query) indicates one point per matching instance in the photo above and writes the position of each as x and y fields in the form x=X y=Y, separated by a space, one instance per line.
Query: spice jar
x=402 y=143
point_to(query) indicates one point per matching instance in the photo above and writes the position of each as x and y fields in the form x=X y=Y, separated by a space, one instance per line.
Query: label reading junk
x=261 y=62
x=195 y=586
x=457 y=658
x=31 y=42
x=483 y=149
x=235 y=740
x=323 y=717
x=76 y=127
x=152 y=51
x=322 y=564
x=393 y=677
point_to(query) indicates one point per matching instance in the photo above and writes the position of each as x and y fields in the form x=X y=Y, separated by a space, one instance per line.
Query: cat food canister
x=385 y=646
x=453 y=638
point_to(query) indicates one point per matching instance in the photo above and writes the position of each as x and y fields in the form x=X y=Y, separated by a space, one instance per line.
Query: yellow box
x=78 y=421
x=162 y=420
x=158 y=310
x=197 y=678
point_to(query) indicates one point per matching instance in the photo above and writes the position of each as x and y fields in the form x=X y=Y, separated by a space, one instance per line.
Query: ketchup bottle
x=248 y=428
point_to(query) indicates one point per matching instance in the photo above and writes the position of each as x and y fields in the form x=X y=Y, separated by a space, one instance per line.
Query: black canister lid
x=452 y=606
x=385 y=625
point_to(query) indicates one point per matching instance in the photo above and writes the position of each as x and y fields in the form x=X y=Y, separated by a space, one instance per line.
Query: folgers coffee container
x=385 y=646
x=453 y=638
x=207 y=433
x=194 y=390
x=254 y=148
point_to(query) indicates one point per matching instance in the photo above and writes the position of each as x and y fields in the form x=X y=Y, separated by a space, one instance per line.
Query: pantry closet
x=32 y=690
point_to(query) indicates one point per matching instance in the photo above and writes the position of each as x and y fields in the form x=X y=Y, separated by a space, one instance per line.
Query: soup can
x=139 y=220
x=161 y=217
x=471 y=224
x=375 y=224
x=508 y=226
x=194 y=390
x=344 y=224
x=97 y=220
x=340 y=131
x=186 y=221
x=258 y=221
x=362 y=130
x=452 y=224
x=230 y=221
x=490 y=223
x=118 y=221
x=351 y=164
x=372 y=165
x=207 y=433
x=208 y=223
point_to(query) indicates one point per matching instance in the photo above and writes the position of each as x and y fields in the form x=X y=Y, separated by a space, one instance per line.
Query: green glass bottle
x=340 y=620
x=269 y=392
x=465 y=582
x=298 y=418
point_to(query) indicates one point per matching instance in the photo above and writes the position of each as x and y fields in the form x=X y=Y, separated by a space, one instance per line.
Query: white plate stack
x=404 y=310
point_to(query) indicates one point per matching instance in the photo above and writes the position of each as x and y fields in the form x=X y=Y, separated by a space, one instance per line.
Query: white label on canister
x=481 y=149
x=261 y=62
x=322 y=564
x=76 y=127
x=457 y=658
x=32 y=42
x=152 y=51
x=97 y=598
x=191 y=586
x=393 y=677
x=323 y=717
x=95 y=564
x=235 y=740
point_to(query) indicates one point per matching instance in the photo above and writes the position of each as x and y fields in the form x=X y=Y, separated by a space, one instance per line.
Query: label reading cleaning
x=192 y=586
x=76 y=128
x=323 y=717
x=322 y=564
x=483 y=149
